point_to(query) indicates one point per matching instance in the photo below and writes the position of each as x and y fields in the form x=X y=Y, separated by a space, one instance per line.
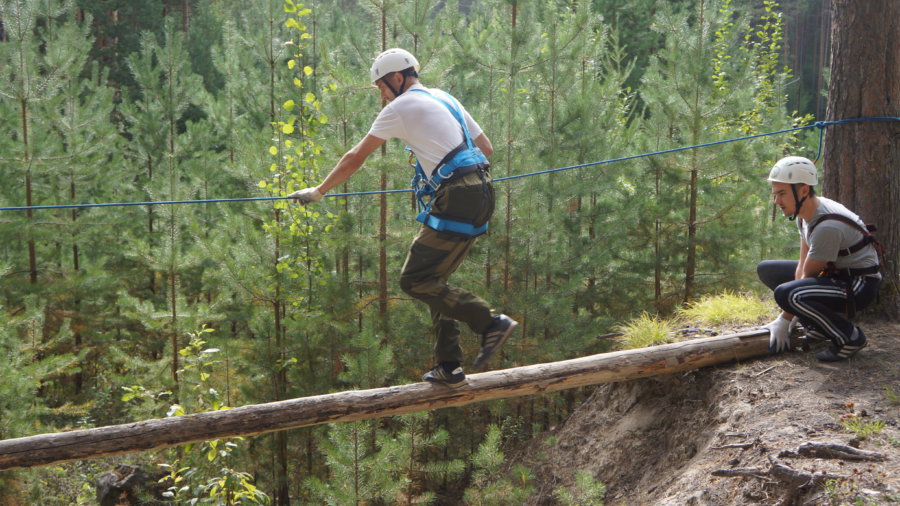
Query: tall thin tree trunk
x=185 y=14
x=382 y=252
x=509 y=143
x=690 y=269
x=173 y=297
x=382 y=213
x=152 y=280
x=173 y=230
x=862 y=160
x=657 y=245
x=26 y=162
x=280 y=440
x=824 y=14
x=79 y=376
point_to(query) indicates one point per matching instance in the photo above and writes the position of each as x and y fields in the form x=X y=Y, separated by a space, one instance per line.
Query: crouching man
x=836 y=274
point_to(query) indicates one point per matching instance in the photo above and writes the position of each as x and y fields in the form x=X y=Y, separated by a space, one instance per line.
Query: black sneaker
x=453 y=379
x=836 y=353
x=493 y=339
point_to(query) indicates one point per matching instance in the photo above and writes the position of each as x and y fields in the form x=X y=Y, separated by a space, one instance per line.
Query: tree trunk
x=510 y=131
x=26 y=162
x=382 y=211
x=382 y=252
x=862 y=159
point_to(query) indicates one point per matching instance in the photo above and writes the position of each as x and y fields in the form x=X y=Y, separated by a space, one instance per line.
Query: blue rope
x=820 y=125
x=663 y=152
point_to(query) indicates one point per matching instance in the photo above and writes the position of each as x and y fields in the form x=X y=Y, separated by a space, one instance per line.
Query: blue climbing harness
x=461 y=160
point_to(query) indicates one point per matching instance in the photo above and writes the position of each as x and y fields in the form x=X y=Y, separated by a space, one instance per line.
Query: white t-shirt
x=831 y=236
x=424 y=124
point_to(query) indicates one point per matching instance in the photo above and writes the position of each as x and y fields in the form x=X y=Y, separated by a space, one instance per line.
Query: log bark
x=44 y=449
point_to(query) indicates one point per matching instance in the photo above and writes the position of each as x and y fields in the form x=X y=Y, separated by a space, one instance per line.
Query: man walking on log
x=837 y=274
x=456 y=200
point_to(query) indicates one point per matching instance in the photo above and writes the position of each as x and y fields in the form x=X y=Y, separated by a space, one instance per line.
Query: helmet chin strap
x=798 y=201
x=394 y=91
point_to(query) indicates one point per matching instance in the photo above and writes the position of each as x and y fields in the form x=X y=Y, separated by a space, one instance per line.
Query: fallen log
x=825 y=450
x=44 y=449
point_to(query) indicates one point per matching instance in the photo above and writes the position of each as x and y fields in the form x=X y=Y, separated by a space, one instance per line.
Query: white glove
x=779 y=334
x=307 y=195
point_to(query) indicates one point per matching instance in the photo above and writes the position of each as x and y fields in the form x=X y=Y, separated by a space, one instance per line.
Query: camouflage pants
x=434 y=256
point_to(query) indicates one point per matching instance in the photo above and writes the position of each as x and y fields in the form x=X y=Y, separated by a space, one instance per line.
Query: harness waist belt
x=462 y=171
x=448 y=225
x=862 y=271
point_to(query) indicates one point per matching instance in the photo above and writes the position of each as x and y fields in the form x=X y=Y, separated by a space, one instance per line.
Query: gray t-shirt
x=831 y=236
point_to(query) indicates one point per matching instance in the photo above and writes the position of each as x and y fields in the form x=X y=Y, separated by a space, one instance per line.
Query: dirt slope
x=659 y=440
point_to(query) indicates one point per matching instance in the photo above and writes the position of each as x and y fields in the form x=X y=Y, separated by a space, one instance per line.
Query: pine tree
x=33 y=64
x=296 y=270
x=359 y=454
x=66 y=137
x=577 y=98
x=489 y=486
x=25 y=368
x=118 y=27
x=87 y=147
x=168 y=89
x=707 y=71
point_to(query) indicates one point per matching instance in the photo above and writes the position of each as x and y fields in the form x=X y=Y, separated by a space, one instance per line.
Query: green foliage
x=645 y=330
x=369 y=363
x=132 y=19
x=32 y=359
x=726 y=308
x=229 y=487
x=357 y=471
x=55 y=486
x=413 y=460
x=892 y=396
x=233 y=98
x=840 y=492
x=22 y=374
x=199 y=362
x=700 y=90
x=585 y=491
x=489 y=484
x=862 y=429
x=207 y=470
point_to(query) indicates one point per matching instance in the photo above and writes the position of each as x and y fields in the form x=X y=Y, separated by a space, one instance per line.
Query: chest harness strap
x=867 y=239
x=461 y=160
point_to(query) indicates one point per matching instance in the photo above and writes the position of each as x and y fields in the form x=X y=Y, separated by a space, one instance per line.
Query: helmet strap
x=390 y=87
x=797 y=201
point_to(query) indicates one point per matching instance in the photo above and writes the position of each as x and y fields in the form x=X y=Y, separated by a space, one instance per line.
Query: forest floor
x=733 y=434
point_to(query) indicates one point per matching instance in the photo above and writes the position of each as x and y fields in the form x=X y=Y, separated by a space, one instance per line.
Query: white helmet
x=794 y=169
x=393 y=60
